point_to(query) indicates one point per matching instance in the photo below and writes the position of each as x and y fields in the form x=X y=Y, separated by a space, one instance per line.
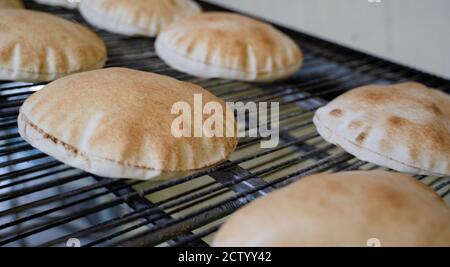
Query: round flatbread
x=11 y=4
x=117 y=123
x=344 y=209
x=227 y=45
x=36 y=46
x=136 y=17
x=70 y=4
x=405 y=126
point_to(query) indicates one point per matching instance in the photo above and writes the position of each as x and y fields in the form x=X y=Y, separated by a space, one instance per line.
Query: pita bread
x=117 y=123
x=343 y=209
x=70 y=4
x=36 y=46
x=11 y=4
x=136 y=17
x=227 y=45
x=405 y=127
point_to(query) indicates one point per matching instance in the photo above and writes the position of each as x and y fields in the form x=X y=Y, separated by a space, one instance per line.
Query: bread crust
x=39 y=47
x=405 y=127
x=117 y=123
x=342 y=209
x=137 y=17
x=226 y=45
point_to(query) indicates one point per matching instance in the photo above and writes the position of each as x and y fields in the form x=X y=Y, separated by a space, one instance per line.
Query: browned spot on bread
x=392 y=197
x=190 y=48
x=437 y=135
x=387 y=197
x=211 y=18
x=336 y=112
x=218 y=32
x=355 y=125
x=239 y=44
x=3 y=27
x=413 y=153
x=361 y=137
x=180 y=40
x=376 y=96
x=336 y=187
x=432 y=107
x=51 y=138
x=70 y=148
x=397 y=121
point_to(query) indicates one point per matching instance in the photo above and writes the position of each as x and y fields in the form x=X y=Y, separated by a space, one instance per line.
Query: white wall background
x=412 y=32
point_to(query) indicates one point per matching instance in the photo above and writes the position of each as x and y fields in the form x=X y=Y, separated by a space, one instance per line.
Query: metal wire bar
x=186 y=241
x=39 y=167
x=63 y=196
x=34 y=178
x=40 y=187
x=22 y=160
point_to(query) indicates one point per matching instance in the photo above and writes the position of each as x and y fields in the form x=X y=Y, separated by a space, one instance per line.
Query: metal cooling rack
x=46 y=203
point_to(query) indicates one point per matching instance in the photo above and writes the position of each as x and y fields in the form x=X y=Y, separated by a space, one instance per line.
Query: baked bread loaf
x=36 y=46
x=11 y=4
x=405 y=126
x=136 y=17
x=344 y=209
x=117 y=123
x=227 y=45
x=70 y=4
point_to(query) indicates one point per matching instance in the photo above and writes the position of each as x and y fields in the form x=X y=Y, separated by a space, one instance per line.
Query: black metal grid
x=45 y=203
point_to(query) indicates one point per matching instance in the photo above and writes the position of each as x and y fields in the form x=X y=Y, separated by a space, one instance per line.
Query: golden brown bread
x=343 y=209
x=136 y=17
x=228 y=45
x=36 y=46
x=405 y=126
x=11 y=4
x=117 y=122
